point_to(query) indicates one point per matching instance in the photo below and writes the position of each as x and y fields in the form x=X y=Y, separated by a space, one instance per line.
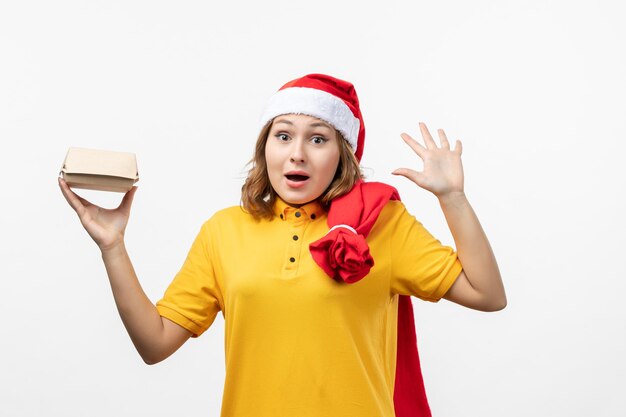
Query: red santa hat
x=325 y=97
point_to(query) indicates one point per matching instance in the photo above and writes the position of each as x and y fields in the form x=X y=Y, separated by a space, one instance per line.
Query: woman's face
x=302 y=155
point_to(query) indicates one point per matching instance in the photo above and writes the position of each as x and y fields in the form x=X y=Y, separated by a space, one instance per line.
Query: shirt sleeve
x=421 y=265
x=193 y=298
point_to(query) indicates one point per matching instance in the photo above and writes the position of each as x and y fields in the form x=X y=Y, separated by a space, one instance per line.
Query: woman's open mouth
x=296 y=180
x=297 y=177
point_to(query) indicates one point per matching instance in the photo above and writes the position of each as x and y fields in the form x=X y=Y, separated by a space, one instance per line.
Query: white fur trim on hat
x=316 y=103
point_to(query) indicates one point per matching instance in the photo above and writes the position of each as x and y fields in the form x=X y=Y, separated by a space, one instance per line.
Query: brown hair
x=258 y=196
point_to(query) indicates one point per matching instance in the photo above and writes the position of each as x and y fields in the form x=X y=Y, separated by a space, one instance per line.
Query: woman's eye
x=282 y=136
x=318 y=139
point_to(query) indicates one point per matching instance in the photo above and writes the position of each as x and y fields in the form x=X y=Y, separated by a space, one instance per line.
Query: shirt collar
x=309 y=211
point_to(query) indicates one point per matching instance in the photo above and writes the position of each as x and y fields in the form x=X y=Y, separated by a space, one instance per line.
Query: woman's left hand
x=443 y=172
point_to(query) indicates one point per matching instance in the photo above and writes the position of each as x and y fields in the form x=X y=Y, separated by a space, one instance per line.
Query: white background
x=535 y=90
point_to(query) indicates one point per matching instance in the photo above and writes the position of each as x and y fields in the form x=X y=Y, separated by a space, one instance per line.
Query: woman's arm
x=479 y=286
x=154 y=337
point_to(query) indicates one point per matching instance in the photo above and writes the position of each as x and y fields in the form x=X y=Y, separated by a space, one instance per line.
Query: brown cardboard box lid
x=100 y=170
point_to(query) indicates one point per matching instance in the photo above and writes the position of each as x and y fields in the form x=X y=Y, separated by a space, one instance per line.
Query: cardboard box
x=100 y=170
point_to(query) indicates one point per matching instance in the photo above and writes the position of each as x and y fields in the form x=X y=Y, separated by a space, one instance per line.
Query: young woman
x=314 y=273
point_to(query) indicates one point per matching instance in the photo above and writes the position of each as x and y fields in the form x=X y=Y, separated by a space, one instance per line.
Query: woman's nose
x=297 y=151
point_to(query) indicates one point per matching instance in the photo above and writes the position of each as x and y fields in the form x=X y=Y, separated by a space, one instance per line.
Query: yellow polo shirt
x=298 y=343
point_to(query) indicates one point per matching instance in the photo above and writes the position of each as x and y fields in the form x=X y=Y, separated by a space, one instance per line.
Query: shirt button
x=298 y=214
x=313 y=216
x=292 y=259
x=295 y=237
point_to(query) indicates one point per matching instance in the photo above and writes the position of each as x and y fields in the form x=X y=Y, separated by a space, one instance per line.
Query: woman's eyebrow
x=320 y=124
x=314 y=124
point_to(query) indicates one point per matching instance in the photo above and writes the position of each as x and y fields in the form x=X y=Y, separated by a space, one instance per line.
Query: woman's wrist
x=113 y=251
x=452 y=199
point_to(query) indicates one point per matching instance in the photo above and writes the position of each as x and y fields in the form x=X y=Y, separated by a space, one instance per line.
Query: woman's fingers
x=105 y=226
x=127 y=201
x=72 y=199
x=458 y=147
x=84 y=202
x=409 y=173
x=415 y=145
x=428 y=140
x=443 y=139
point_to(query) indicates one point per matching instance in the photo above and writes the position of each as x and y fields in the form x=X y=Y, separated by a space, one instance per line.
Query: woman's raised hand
x=105 y=226
x=443 y=172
